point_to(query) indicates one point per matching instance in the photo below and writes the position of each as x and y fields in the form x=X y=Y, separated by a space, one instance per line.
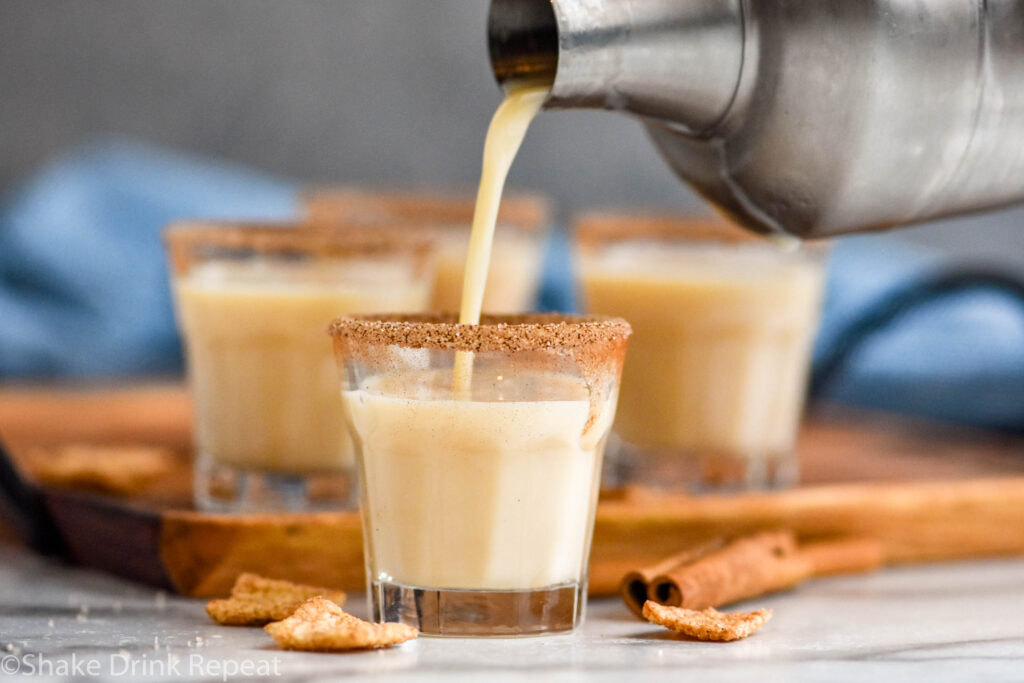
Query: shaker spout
x=807 y=117
x=522 y=38
x=676 y=63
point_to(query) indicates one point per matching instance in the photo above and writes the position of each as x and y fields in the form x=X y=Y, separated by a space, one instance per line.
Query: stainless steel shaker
x=811 y=117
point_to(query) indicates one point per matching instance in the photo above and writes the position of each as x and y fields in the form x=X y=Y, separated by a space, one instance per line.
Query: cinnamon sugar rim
x=292 y=237
x=597 y=228
x=524 y=211
x=503 y=333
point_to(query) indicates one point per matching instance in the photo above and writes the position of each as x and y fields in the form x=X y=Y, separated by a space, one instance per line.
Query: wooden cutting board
x=927 y=491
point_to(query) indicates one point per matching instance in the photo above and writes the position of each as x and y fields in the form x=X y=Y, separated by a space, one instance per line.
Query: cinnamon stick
x=634 y=587
x=744 y=568
x=851 y=555
x=749 y=567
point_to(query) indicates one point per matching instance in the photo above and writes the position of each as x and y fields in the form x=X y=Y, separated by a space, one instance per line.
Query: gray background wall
x=395 y=91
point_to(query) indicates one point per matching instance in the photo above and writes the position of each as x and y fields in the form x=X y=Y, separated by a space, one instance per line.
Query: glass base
x=673 y=470
x=220 y=487
x=480 y=613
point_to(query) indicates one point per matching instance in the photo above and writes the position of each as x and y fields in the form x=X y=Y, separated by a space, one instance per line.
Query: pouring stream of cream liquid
x=504 y=137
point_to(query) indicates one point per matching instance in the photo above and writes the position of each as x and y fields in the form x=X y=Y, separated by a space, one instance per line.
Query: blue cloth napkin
x=84 y=290
x=955 y=352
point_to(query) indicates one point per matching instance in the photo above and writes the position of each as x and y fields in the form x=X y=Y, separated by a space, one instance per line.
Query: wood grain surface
x=153 y=413
x=926 y=491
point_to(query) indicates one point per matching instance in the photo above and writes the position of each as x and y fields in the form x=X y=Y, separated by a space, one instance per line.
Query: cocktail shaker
x=809 y=117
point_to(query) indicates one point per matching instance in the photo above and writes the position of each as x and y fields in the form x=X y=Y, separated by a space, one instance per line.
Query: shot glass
x=724 y=322
x=479 y=481
x=253 y=303
x=523 y=220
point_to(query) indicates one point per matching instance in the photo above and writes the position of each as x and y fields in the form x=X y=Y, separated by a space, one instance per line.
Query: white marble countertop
x=961 y=621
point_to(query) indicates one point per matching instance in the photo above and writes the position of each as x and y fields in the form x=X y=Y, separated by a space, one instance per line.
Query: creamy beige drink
x=504 y=137
x=478 y=505
x=480 y=445
x=522 y=219
x=253 y=305
x=495 y=493
x=722 y=339
x=263 y=377
x=511 y=280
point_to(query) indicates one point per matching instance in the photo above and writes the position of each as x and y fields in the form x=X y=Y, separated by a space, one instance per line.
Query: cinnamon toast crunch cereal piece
x=706 y=624
x=319 y=625
x=256 y=600
x=115 y=470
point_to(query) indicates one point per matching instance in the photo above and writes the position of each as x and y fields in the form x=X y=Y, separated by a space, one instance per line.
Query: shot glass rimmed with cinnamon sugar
x=478 y=493
x=520 y=235
x=724 y=321
x=253 y=301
